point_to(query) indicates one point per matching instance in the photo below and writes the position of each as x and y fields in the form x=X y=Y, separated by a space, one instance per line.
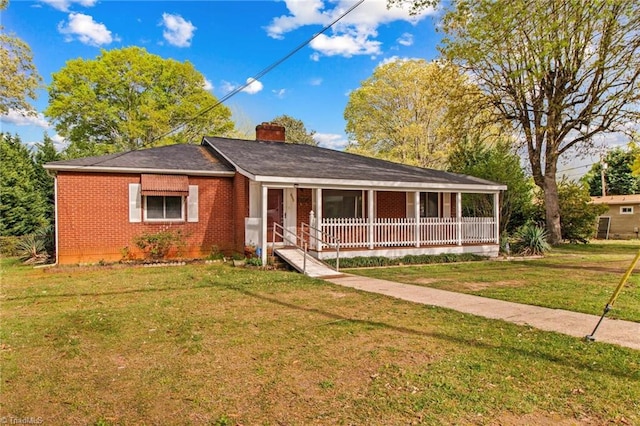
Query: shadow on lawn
x=566 y=358
x=51 y=297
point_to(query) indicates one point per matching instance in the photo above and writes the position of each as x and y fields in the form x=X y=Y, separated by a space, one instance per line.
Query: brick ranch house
x=228 y=193
x=622 y=220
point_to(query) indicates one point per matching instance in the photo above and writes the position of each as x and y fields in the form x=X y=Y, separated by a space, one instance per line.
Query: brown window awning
x=165 y=185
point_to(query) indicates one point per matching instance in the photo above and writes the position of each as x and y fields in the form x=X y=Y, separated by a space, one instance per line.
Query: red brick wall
x=391 y=204
x=305 y=205
x=93 y=217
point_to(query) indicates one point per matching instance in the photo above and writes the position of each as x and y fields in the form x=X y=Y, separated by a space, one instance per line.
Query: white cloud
x=208 y=85
x=59 y=142
x=177 y=31
x=227 y=87
x=346 y=45
x=406 y=39
x=85 y=29
x=18 y=118
x=316 y=81
x=389 y=60
x=315 y=56
x=331 y=141
x=254 y=86
x=279 y=93
x=394 y=58
x=63 y=5
x=353 y=35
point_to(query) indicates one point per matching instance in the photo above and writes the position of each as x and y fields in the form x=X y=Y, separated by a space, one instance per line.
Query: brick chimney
x=270 y=132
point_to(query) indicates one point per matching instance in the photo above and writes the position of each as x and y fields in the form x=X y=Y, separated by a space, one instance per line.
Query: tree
x=497 y=163
x=635 y=168
x=562 y=71
x=19 y=78
x=579 y=216
x=46 y=152
x=619 y=179
x=22 y=205
x=295 y=130
x=412 y=111
x=127 y=99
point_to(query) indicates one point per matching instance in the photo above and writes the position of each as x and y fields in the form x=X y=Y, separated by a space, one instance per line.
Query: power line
x=575 y=168
x=244 y=86
x=260 y=74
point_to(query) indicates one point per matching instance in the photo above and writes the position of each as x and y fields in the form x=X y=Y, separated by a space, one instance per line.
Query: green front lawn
x=219 y=345
x=578 y=278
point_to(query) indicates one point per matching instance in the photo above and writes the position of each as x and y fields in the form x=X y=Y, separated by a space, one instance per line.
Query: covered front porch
x=348 y=222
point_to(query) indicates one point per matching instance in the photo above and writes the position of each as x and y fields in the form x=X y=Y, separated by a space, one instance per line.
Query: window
x=337 y=203
x=168 y=206
x=626 y=210
x=163 y=208
x=429 y=204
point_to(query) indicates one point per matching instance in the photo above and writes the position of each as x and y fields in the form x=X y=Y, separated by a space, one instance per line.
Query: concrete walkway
x=623 y=333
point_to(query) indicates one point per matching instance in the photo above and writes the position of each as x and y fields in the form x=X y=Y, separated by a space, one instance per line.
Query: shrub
x=215 y=253
x=578 y=217
x=531 y=240
x=32 y=249
x=9 y=245
x=420 y=259
x=254 y=261
x=157 y=246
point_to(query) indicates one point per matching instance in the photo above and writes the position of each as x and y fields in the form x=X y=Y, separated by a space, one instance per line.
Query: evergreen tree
x=23 y=207
x=45 y=153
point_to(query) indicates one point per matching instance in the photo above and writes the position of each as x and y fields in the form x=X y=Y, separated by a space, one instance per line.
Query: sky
x=229 y=42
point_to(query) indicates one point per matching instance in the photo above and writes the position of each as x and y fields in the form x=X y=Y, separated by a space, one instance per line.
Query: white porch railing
x=392 y=232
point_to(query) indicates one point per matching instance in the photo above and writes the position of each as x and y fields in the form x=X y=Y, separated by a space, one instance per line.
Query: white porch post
x=416 y=215
x=371 y=194
x=459 y=216
x=263 y=223
x=319 y=219
x=496 y=216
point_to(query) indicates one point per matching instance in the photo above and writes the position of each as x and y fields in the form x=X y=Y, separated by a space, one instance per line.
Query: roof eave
x=397 y=185
x=98 y=169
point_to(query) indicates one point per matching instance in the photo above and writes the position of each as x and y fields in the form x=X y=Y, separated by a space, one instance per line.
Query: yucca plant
x=32 y=249
x=531 y=240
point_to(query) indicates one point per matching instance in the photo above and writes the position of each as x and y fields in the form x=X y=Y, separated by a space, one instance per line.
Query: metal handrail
x=304 y=246
x=336 y=240
x=285 y=239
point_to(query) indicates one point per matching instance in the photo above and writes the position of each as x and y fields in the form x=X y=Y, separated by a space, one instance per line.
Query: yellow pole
x=624 y=279
x=615 y=294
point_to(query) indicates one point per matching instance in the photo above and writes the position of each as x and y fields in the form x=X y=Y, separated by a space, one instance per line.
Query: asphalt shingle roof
x=278 y=159
x=172 y=157
x=266 y=159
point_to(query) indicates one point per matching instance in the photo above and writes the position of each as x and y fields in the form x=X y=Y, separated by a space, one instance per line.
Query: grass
x=211 y=344
x=578 y=278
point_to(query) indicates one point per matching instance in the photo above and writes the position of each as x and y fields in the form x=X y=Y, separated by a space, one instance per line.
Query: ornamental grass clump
x=531 y=240
x=32 y=249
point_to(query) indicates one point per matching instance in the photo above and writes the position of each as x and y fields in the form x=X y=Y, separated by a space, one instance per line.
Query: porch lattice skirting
x=407 y=232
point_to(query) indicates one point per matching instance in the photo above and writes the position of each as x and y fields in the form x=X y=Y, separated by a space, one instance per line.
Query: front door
x=290 y=211
x=275 y=209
